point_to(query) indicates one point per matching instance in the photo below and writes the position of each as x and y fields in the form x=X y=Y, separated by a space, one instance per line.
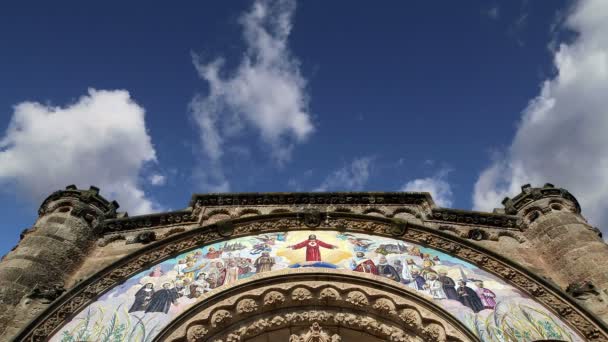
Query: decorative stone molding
x=148 y=221
x=315 y=298
x=477 y=234
x=476 y=218
x=343 y=198
x=87 y=291
x=46 y=295
x=315 y=334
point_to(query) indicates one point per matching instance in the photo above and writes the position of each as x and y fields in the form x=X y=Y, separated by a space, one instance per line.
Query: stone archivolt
x=87 y=292
x=304 y=298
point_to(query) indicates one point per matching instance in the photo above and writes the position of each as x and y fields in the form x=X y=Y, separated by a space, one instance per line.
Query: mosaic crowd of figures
x=138 y=309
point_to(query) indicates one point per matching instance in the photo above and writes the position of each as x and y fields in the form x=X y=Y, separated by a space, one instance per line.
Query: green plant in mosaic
x=515 y=322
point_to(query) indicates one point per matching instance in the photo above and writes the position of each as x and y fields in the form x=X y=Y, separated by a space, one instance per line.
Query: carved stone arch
x=371 y=211
x=216 y=212
x=300 y=297
x=405 y=210
x=88 y=291
x=249 y=212
x=343 y=210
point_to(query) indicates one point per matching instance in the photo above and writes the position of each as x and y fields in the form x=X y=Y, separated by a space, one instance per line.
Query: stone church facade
x=299 y=267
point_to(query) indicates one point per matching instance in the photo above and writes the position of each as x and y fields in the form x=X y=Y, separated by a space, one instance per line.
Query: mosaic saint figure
x=181 y=288
x=212 y=280
x=244 y=265
x=264 y=263
x=362 y=264
x=142 y=298
x=468 y=297
x=181 y=265
x=488 y=298
x=162 y=299
x=199 y=286
x=386 y=270
x=220 y=273
x=398 y=266
x=313 y=252
x=156 y=271
x=232 y=272
x=427 y=267
x=449 y=285
x=418 y=279
x=212 y=253
x=359 y=244
x=408 y=278
x=190 y=270
x=434 y=287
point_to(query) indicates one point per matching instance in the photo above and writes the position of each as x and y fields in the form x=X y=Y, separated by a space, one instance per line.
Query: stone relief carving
x=89 y=290
x=315 y=334
x=46 y=295
x=290 y=304
x=583 y=290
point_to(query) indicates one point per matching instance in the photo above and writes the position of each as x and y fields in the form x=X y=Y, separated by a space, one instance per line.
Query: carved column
x=573 y=252
x=33 y=273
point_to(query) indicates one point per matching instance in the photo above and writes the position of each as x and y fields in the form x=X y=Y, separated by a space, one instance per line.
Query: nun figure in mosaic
x=142 y=298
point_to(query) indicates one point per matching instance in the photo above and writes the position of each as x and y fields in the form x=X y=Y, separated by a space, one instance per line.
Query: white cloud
x=562 y=137
x=265 y=93
x=436 y=185
x=351 y=177
x=492 y=12
x=157 y=179
x=99 y=140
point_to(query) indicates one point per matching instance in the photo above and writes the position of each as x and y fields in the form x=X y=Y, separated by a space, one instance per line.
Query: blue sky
x=150 y=102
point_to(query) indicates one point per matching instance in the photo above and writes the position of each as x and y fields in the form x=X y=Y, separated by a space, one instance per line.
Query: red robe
x=366 y=266
x=312 y=248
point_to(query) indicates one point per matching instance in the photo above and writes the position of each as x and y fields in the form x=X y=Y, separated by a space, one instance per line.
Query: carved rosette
x=300 y=301
x=88 y=291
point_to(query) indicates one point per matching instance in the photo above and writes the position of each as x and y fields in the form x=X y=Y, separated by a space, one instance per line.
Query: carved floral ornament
x=61 y=311
x=315 y=300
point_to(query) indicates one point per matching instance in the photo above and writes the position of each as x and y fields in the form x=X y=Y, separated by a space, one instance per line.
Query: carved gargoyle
x=46 y=295
x=583 y=290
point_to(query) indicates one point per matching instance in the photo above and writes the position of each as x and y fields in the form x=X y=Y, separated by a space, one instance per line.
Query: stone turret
x=573 y=252
x=33 y=273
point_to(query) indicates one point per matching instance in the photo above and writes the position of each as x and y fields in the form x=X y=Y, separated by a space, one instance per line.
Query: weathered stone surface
x=78 y=234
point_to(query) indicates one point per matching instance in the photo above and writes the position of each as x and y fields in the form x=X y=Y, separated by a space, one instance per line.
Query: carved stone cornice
x=476 y=218
x=300 y=198
x=329 y=298
x=86 y=292
x=148 y=221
